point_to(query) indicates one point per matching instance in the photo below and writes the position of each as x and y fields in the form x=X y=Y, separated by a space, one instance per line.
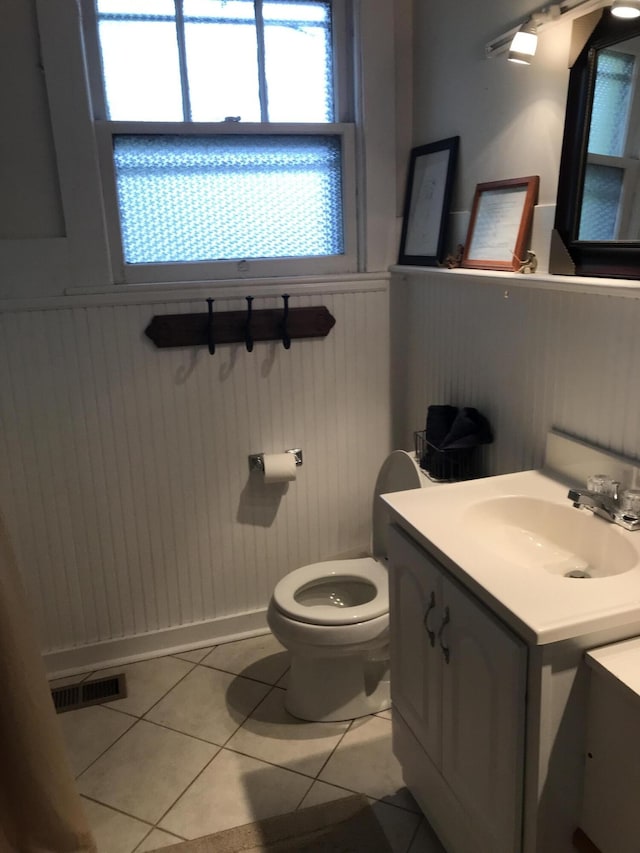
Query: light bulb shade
x=524 y=44
x=625 y=8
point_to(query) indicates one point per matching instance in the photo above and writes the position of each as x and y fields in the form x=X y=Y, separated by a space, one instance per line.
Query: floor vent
x=85 y=693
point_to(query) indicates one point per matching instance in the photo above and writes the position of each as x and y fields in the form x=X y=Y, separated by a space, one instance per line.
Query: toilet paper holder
x=256 y=460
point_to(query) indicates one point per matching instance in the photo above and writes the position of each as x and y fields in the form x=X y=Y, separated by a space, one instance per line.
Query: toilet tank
x=398 y=473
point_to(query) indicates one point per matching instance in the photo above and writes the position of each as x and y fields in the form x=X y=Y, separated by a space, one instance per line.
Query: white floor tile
x=426 y=841
x=364 y=762
x=399 y=825
x=209 y=704
x=156 y=839
x=272 y=734
x=146 y=770
x=89 y=731
x=234 y=790
x=195 y=655
x=113 y=831
x=322 y=792
x=67 y=680
x=147 y=681
x=262 y=658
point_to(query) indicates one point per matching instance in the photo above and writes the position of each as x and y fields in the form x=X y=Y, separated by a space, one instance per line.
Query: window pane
x=140 y=60
x=607 y=134
x=298 y=60
x=197 y=198
x=222 y=59
x=600 y=202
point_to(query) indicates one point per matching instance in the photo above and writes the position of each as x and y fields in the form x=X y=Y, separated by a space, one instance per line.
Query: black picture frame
x=427 y=202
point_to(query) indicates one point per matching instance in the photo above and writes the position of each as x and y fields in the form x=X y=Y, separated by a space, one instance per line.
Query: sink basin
x=540 y=534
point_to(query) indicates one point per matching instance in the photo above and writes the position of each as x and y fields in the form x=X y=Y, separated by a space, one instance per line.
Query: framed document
x=427 y=201
x=500 y=224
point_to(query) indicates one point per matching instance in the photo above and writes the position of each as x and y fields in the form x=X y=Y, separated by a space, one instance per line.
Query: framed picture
x=500 y=224
x=427 y=201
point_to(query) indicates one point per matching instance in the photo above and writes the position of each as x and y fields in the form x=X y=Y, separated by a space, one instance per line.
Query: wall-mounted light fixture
x=625 y=8
x=521 y=41
x=524 y=43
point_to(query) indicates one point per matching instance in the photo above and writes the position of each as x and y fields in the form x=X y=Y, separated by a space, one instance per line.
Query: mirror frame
x=614 y=259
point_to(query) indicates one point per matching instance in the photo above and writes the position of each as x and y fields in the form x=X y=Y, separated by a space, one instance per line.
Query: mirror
x=598 y=204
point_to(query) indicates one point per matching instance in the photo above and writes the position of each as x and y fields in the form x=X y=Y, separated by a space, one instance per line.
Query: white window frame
x=369 y=164
x=227 y=269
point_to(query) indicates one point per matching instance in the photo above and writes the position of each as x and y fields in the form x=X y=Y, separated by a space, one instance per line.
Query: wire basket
x=445 y=466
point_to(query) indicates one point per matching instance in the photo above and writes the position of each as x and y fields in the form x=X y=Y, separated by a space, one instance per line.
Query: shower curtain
x=40 y=808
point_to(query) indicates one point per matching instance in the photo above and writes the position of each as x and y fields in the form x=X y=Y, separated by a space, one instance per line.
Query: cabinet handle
x=445 y=621
x=425 y=621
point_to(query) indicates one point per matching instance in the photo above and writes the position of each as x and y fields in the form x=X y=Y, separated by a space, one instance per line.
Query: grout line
x=329 y=757
x=242 y=675
x=135 y=817
x=104 y=751
x=213 y=757
x=184 y=791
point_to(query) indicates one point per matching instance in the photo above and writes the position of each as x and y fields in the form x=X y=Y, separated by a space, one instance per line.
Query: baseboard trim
x=183 y=638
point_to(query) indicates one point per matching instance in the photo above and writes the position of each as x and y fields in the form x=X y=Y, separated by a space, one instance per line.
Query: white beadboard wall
x=124 y=474
x=530 y=359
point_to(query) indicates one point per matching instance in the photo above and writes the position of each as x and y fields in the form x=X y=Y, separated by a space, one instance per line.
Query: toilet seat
x=365 y=569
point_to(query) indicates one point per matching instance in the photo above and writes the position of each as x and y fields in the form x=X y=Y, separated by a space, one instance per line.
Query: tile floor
x=203 y=742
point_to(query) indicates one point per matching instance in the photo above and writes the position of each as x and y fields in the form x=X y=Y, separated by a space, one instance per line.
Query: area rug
x=341 y=826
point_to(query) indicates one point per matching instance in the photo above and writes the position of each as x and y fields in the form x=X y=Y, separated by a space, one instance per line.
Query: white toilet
x=333 y=617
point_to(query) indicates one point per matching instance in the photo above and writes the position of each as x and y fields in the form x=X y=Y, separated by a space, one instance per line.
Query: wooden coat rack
x=228 y=327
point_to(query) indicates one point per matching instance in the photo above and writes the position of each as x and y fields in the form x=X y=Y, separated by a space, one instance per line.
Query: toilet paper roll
x=279 y=467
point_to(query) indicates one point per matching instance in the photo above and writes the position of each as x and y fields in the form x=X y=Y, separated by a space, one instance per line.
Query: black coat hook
x=286 y=340
x=210 y=338
x=248 y=339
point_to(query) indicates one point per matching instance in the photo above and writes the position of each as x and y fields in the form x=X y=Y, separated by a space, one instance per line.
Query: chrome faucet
x=618 y=508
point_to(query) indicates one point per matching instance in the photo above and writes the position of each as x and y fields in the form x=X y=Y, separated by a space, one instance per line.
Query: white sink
x=561 y=540
x=515 y=539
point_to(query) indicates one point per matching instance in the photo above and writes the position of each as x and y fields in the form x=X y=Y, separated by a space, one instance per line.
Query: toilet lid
x=340 y=576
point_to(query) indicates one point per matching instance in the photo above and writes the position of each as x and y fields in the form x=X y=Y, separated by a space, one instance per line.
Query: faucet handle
x=598 y=483
x=630 y=501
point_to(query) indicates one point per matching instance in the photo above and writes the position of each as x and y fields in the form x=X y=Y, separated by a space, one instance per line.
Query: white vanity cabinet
x=458 y=690
x=610 y=817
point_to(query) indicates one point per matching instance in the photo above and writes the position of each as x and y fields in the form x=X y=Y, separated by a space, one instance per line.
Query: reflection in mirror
x=598 y=203
x=610 y=209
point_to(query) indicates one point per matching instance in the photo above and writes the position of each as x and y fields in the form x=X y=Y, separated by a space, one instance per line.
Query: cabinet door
x=483 y=718
x=416 y=668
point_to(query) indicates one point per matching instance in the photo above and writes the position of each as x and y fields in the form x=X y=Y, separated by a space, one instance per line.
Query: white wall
x=123 y=469
x=529 y=359
x=536 y=359
x=509 y=118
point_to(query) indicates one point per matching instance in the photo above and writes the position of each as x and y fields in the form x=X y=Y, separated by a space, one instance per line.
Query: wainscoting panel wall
x=124 y=472
x=529 y=359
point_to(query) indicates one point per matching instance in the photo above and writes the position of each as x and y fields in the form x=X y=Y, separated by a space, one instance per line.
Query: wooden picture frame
x=427 y=202
x=500 y=224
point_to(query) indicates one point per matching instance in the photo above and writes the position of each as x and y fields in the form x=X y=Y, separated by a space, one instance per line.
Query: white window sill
x=151 y=293
x=628 y=288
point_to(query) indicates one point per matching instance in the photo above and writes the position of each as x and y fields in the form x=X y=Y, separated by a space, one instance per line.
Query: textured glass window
x=193 y=198
x=614 y=77
x=600 y=202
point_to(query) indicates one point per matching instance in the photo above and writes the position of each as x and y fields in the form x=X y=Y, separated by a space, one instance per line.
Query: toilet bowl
x=333 y=617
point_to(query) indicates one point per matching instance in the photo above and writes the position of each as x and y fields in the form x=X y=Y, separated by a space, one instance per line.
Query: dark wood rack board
x=228 y=327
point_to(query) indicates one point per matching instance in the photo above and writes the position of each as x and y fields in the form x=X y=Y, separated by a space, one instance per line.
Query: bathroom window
x=225 y=136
